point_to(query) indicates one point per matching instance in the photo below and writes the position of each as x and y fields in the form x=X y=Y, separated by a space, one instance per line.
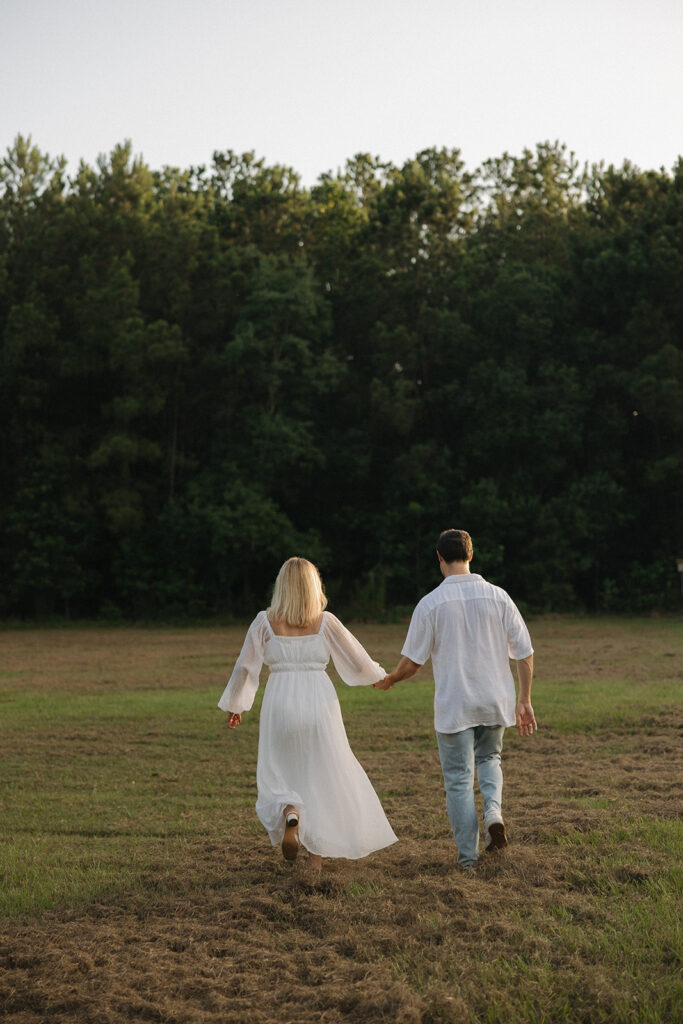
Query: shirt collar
x=461 y=576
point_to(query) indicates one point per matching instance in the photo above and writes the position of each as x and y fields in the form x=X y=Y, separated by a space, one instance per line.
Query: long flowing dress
x=304 y=757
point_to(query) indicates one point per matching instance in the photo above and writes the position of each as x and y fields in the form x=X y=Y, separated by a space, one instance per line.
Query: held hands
x=233 y=719
x=526 y=720
x=385 y=684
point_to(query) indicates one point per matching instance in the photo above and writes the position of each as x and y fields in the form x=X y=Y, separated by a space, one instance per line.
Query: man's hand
x=526 y=720
x=404 y=670
x=233 y=719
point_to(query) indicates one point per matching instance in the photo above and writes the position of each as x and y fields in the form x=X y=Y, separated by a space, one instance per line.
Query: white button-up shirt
x=470 y=628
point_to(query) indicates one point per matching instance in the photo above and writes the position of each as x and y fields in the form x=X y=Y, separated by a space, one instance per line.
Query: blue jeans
x=460 y=752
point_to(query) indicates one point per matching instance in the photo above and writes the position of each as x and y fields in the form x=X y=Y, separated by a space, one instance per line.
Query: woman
x=311 y=789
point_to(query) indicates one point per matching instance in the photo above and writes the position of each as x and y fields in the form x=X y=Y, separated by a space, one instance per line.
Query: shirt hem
x=473 y=725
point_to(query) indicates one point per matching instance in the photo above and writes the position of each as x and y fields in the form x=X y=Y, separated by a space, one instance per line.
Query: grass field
x=138 y=884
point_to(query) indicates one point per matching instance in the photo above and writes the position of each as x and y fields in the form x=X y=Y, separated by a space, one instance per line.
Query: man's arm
x=404 y=670
x=526 y=720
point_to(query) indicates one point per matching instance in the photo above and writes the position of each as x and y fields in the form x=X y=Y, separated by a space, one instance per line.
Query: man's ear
x=439 y=556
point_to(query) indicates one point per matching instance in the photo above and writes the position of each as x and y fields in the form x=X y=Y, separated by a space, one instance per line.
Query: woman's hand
x=384 y=684
x=233 y=719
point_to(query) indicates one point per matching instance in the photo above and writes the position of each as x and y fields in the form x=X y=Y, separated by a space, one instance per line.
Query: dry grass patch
x=139 y=886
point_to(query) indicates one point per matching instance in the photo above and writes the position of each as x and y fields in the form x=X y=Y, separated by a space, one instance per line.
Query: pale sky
x=309 y=83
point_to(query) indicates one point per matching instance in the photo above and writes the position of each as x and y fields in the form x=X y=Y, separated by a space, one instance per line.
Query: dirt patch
x=401 y=936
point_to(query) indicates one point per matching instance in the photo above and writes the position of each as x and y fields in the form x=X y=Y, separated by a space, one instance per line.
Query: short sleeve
x=239 y=694
x=519 y=641
x=351 y=660
x=420 y=638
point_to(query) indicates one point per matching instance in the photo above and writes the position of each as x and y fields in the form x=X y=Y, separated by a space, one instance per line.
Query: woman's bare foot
x=315 y=862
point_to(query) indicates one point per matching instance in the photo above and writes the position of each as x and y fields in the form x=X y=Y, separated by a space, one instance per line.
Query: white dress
x=304 y=757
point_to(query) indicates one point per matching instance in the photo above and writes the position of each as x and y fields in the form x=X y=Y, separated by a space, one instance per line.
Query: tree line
x=207 y=370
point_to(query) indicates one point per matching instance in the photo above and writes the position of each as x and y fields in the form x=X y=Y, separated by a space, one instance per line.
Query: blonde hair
x=298 y=594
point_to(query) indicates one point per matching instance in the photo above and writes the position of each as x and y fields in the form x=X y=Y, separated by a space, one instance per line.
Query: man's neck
x=455 y=569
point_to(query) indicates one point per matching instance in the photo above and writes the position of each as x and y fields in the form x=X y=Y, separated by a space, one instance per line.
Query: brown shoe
x=496 y=837
x=290 y=842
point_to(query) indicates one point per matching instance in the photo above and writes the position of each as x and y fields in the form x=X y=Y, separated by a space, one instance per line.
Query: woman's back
x=280 y=627
x=295 y=647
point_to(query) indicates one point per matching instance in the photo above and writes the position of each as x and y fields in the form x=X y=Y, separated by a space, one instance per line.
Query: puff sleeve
x=351 y=660
x=238 y=695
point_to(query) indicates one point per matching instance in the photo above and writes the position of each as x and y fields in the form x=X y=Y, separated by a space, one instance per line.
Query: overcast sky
x=310 y=83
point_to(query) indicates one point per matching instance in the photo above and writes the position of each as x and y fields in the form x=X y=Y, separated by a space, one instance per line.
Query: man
x=470 y=628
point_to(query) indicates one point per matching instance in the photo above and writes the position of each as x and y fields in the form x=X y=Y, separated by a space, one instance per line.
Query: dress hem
x=342 y=856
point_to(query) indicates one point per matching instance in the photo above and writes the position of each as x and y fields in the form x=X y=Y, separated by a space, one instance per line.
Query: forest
x=204 y=371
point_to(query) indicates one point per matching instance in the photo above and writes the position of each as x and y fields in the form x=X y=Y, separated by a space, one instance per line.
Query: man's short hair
x=454 y=545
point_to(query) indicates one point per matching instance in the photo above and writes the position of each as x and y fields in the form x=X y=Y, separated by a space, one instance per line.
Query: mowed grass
x=137 y=883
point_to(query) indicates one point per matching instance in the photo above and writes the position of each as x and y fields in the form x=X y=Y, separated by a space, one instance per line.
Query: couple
x=311 y=789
